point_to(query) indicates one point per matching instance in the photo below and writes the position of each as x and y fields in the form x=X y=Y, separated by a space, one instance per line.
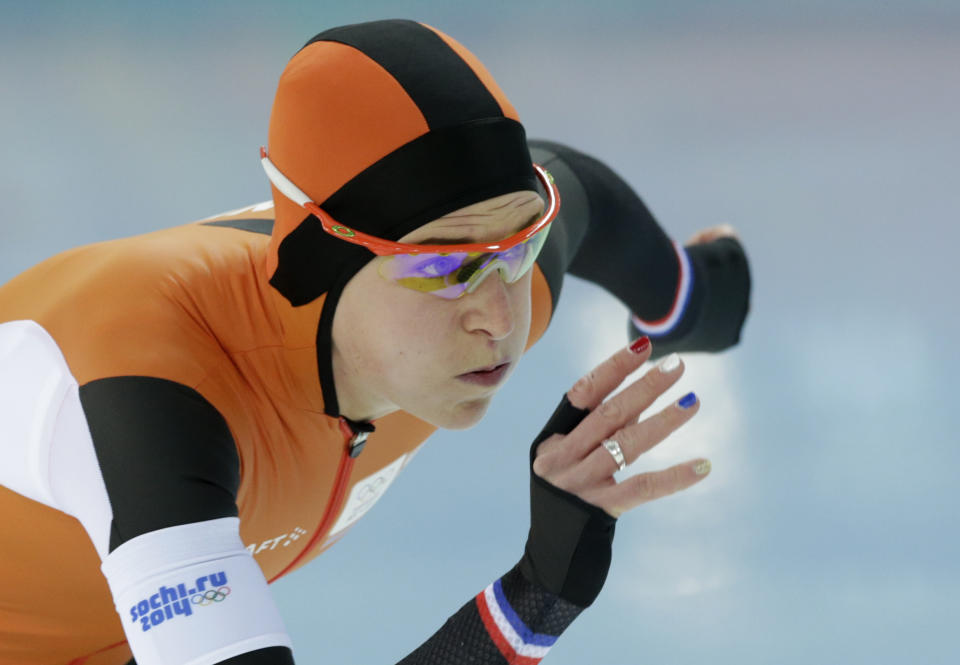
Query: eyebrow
x=462 y=240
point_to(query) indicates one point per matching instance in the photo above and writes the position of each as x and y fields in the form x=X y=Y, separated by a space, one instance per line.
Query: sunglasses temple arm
x=281 y=182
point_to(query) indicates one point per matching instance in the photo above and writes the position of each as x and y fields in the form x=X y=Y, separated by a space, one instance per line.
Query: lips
x=487 y=376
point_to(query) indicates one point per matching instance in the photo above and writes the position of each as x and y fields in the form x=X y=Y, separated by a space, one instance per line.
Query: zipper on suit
x=355 y=441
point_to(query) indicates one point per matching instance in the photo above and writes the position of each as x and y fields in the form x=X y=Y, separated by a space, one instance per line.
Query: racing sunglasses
x=447 y=271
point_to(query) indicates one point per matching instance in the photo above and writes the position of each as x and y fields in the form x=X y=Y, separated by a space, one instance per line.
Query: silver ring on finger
x=616 y=453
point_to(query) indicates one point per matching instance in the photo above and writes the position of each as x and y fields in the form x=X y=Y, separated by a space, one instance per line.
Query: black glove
x=569 y=546
x=719 y=301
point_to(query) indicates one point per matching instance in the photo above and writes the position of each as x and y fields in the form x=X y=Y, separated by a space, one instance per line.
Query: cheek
x=392 y=328
x=412 y=334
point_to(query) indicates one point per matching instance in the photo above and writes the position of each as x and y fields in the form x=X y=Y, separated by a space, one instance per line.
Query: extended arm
x=691 y=298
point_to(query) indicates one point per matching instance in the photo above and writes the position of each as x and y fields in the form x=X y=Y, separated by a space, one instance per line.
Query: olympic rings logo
x=210 y=596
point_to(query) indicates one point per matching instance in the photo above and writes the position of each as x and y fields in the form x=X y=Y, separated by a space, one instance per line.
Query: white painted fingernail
x=702 y=468
x=669 y=363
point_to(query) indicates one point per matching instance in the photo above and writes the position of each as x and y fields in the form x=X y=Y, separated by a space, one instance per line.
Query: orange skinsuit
x=189 y=304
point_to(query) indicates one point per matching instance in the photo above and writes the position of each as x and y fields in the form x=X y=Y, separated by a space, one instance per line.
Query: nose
x=488 y=309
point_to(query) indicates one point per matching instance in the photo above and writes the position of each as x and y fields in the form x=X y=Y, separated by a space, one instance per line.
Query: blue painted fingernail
x=687 y=401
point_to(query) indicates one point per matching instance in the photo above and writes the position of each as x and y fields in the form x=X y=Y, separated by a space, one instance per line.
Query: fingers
x=591 y=389
x=638 y=438
x=624 y=408
x=630 y=493
x=579 y=463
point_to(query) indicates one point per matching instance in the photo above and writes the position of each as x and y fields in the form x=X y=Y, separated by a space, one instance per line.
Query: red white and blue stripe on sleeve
x=512 y=622
x=665 y=324
x=519 y=644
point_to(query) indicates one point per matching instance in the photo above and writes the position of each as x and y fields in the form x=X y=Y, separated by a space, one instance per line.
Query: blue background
x=826 y=132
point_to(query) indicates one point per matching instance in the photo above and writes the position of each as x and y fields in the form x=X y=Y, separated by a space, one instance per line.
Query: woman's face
x=396 y=348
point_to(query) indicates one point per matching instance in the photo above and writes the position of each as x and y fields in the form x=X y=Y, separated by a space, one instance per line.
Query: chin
x=462 y=415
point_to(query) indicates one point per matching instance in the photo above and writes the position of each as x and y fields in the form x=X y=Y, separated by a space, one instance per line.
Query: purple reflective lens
x=451 y=275
x=435 y=265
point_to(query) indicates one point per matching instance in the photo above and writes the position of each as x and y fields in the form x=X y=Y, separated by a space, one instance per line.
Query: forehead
x=488 y=220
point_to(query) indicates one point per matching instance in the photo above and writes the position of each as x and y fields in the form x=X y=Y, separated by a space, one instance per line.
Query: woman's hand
x=579 y=463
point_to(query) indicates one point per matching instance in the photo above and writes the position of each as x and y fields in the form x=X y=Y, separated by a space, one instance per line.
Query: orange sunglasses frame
x=382 y=247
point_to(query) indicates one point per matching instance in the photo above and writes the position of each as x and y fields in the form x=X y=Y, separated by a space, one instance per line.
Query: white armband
x=192 y=595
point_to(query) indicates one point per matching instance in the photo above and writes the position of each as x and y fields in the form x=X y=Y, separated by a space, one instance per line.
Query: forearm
x=511 y=621
x=686 y=299
x=564 y=566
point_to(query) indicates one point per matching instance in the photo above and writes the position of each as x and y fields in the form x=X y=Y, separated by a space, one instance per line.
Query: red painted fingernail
x=640 y=345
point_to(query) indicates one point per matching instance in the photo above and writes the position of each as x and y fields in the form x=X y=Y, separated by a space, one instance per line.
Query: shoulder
x=156 y=304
